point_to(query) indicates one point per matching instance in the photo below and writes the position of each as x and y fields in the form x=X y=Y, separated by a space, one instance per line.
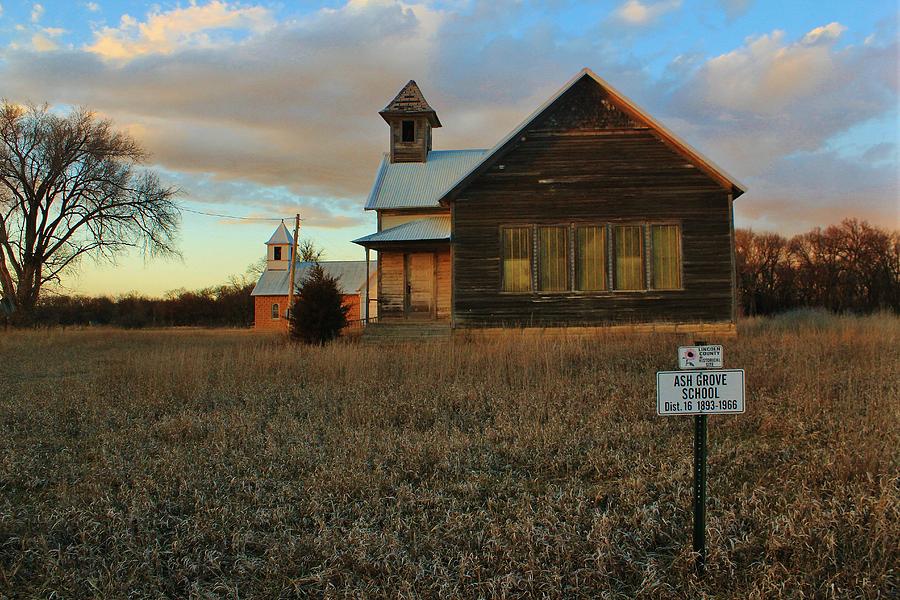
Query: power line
x=221 y=216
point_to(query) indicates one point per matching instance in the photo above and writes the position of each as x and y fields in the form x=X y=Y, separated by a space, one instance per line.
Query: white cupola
x=278 y=249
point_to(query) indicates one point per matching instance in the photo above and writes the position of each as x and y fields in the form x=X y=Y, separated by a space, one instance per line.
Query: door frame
x=407 y=286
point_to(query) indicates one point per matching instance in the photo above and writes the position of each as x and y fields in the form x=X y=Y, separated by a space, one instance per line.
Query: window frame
x=536 y=259
x=604 y=227
x=275 y=311
x=276 y=253
x=646 y=234
x=650 y=273
x=642 y=227
x=501 y=253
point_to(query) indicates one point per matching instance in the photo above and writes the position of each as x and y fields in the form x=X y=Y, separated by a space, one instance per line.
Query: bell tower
x=411 y=120
x=278 y=249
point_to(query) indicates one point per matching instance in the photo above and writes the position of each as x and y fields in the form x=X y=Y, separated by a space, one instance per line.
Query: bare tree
x=764 y=274
x=70 y=187
x=308 y=251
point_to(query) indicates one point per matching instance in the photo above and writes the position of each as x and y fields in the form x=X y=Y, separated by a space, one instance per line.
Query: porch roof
x=430 y=229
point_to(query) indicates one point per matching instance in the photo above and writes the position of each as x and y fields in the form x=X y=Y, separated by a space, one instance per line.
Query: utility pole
x=293 y=267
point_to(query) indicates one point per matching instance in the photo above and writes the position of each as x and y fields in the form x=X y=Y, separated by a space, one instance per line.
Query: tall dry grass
x=227 y=464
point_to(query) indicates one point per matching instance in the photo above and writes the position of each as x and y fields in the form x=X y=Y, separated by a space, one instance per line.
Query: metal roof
x=281 y=236
x=351 y=276
x=430 y=229
x=688 y=150
x=419 y=185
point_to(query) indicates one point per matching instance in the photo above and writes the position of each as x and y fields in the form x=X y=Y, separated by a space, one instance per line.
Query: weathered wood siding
x=443 y=284
x=586 y=161
x=390 y=283
x=388 y=219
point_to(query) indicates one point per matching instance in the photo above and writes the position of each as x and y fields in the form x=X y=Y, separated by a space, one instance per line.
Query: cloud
x=735 y=8
x=824 y=34
x=43 y=43
x=164 y=32
x=772 y=97
x=266 y=114
x=92 y=6
x=811 y=189
x=880 y=152
x=767 y=110
x=293 y=105
x=635 y=12
x=37 y=11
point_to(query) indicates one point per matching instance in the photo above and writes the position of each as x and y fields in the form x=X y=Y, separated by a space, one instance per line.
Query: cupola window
x=408 y=131
x=276 y=255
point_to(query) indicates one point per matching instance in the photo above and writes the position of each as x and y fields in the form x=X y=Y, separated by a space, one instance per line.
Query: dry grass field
x=204 y=463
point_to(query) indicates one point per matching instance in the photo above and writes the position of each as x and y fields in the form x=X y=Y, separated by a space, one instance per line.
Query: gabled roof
x=410 y=101
x=510 y=140
x=351 y=276
x=420 y=230
x=281 y=236
x=419 y=185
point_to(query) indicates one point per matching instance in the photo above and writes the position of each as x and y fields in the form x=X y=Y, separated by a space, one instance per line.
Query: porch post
x=366 y=309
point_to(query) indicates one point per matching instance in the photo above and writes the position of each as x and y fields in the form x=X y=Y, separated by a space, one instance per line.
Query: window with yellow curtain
x=590 y=258
x=629 y=258
x=516 y=259
x=666 y=240
x=553 y=259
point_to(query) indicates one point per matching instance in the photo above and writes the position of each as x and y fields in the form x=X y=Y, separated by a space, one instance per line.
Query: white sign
x=700 y=357
x=700 y=392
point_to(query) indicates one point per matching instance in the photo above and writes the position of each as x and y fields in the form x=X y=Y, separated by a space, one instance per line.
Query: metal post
x=700 y=488
x=700 y=492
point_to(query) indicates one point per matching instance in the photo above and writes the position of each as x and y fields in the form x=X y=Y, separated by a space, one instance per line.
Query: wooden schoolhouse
x=588 y=213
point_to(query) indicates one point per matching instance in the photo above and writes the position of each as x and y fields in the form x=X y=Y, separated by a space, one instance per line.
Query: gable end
x=598 y=107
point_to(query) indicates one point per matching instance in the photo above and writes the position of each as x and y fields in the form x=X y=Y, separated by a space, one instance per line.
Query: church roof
x=351 y=276
x=429 y=229
x=281 y=236
x=419 y=185
x=410 y=101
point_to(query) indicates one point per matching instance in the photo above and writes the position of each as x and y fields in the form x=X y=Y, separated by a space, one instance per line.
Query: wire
x=209 y=214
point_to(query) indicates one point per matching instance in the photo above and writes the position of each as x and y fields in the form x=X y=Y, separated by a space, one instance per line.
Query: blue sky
x=268 y=108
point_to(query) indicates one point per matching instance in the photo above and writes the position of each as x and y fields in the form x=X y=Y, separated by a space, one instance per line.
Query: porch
x=414 y=272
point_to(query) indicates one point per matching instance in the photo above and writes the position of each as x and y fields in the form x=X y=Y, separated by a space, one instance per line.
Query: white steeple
x=278 y=249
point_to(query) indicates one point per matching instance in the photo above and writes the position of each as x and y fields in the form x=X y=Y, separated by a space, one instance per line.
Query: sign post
x=700 y=492
x=709 y=389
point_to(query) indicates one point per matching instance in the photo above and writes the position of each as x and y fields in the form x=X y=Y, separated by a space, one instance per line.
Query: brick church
x=270 y=295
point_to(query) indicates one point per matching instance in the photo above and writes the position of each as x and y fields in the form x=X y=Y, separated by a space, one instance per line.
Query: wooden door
x=419 y=277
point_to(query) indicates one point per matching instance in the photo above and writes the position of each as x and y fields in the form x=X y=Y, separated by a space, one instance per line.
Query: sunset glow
x=265 y=109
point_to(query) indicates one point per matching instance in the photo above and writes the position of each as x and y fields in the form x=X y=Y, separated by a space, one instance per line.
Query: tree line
x=850 y=267
x=228 y=305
